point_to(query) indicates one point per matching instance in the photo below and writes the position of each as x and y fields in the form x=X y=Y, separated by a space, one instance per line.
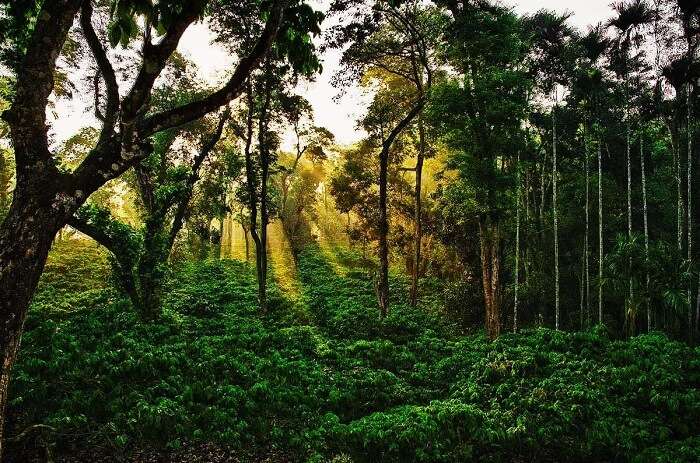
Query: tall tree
x=552 y=53
x=396 y=38
x=629 y=22
x=45 y=198
x=487 y=44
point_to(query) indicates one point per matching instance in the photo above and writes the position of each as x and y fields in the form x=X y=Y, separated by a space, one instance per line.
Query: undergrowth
x=338 y=382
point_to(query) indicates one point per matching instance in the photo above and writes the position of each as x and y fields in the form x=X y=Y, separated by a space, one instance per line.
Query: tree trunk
x=586 y=244
x=383 y=282
x=418 y=229
x=383 y=225
x=517 y=245
x=646 y=225
x=689 y=135
x=697 y=310
x=26 y=235
x=630 y=295
x=556 y=216
x=252 y=194
x=600 y=232
x=247 y=244
x=489 y=241
x=264 y=213
x=680 y=209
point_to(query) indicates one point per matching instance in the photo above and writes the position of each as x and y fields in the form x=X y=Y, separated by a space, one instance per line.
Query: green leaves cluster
x=347 y=385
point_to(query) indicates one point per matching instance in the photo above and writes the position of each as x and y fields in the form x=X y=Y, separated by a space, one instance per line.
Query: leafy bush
x=347 y=386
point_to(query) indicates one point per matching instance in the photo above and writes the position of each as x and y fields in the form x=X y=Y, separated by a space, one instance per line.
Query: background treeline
x=566 y=164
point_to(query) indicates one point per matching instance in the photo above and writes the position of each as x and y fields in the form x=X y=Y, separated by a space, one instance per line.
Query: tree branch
x=417 y=107
x=105 y=70
x=231 y=90
x=35 y=82
x=155 y=57
x=96 y=233
x=179 y=217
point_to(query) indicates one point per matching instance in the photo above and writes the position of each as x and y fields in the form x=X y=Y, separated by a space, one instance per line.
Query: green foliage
x=404 y=389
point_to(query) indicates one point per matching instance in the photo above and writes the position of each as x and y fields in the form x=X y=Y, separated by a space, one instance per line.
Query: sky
x=339 y=115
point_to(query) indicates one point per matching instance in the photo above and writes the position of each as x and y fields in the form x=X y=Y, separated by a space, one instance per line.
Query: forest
x=480 y=242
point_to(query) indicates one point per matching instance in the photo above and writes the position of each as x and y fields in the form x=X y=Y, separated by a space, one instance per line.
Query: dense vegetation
x=325 y=378
x=501 y=266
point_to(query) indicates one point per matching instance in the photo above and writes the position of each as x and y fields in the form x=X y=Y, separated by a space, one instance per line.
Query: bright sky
x=338 y=116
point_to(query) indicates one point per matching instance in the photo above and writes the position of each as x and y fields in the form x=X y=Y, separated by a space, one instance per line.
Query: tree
x=310 y=140
x=552 y=56
x=588 y=92
x=483 y=132
x=393 y=37
x=165 y=190
x=45 y=197
x=631 y=18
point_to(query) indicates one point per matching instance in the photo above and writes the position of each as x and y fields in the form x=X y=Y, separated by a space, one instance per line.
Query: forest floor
x=321 y=378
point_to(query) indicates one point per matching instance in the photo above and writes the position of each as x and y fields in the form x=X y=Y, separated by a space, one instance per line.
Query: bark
x=417 y=214
x=265 y=168
x=247 y=243
x=680 y=206
x=383 y=283
x=630 y=296
x=489 y=242
x=517 y=245
x=25 y=239
x=646 y=225
x=556 y=215
x=689 y=135
x=41 y=202
x=587 y=274
x=252 y=192
x=600 y=232
x=697 y=310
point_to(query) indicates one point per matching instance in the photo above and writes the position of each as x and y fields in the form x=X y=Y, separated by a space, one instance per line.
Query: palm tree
x=551 y=41
x=631 y=18
x=646 y=222
x=690 y=14
x=517 y=243
x=593 y=45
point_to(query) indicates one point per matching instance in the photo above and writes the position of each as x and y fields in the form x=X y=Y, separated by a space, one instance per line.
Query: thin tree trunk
x=628 y=315
x=517 y=245
x=582 y=293
x=26 y=235
x=383 y=281
x=646 y=225
x=489 y=237
x=247 y=244
x=689 y=135
x=252 y=192
x=417 y=219
x=554 y=210
x=697 y=310
x=680 y=206
x=264 y=213
x=600 y=232
x=587 y=277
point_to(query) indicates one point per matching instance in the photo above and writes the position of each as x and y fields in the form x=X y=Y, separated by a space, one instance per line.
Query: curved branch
x=35 y=82
x=155 y=57
x=105 y=70
x=179 y=218
x=231 y=90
